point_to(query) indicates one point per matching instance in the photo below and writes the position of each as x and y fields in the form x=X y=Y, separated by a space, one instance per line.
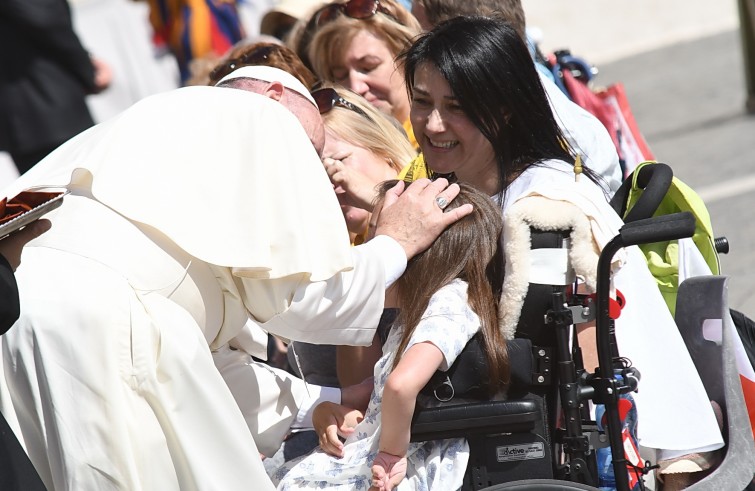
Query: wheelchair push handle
x=658 y=229
x=655 y=181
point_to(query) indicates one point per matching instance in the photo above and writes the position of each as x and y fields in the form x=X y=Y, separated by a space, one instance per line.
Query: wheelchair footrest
x=461 y=420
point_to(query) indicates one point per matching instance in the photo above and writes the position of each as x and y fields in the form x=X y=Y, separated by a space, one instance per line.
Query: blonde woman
x=363 y=147
x=354 y=44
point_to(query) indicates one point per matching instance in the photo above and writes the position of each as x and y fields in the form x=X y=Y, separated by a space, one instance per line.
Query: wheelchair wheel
x=539 y=485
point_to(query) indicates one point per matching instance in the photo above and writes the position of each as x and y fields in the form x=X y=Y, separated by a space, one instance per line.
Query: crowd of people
x=336 y=195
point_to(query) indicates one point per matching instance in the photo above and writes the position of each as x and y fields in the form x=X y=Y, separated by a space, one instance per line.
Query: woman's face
x=448 y=139
x=367 y=68
x=361 y=160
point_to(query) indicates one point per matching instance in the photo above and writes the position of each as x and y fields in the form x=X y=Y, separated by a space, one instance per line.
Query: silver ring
x=442 y=202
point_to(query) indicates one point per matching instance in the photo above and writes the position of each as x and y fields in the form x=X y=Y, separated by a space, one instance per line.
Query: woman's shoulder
x=553 y=175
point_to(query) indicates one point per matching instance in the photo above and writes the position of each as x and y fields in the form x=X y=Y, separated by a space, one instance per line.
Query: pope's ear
x=274 y=91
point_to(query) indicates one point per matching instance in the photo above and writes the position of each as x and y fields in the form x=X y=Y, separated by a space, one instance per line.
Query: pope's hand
x=413 y=217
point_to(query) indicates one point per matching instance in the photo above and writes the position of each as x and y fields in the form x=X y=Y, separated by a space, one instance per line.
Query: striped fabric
x=195 y=28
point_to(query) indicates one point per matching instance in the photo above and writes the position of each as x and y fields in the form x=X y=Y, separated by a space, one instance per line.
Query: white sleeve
x=316 y=395
x=392 y=254
x=344 y=309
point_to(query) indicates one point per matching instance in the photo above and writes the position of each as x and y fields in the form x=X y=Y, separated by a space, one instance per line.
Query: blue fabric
x=407 y=4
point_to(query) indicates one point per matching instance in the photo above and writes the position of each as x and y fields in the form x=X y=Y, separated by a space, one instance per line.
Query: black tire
x=539 y=485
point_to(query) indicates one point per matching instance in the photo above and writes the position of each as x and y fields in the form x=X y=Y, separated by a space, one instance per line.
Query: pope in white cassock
x=191 y=214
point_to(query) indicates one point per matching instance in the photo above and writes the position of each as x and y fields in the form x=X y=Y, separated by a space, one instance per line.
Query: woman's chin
x=441 y=169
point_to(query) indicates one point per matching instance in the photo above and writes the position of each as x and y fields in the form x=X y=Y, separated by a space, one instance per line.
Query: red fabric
x=748 y=389
x=611 y=106
x=23 y=202
x=633 y=147
x=584 y=97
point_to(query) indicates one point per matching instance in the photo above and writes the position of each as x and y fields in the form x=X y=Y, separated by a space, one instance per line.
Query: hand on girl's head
x=411 y=215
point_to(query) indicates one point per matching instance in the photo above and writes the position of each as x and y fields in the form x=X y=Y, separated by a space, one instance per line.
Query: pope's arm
x=345 y=309
x=342 y=309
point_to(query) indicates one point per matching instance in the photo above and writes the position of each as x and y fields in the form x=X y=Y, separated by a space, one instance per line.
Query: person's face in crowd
x=359 y=159
x=448 y=139
x=367 y=68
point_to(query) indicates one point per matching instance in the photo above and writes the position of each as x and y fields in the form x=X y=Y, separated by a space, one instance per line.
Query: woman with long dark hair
x=480 y=113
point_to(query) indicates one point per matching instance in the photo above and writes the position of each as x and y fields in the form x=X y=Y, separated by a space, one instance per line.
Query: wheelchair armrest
x=461 y=420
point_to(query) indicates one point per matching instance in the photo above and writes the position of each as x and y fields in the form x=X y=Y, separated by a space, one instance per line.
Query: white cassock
x=190 y=213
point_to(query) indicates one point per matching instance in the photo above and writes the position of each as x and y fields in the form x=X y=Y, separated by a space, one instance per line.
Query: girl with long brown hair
x=447 y=296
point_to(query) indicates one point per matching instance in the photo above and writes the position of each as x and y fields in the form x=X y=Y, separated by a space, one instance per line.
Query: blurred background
x=682 y=65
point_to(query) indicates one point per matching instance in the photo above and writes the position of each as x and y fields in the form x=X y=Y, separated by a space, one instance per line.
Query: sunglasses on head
x=257 y=56
x=356 y=9
x=327 y=98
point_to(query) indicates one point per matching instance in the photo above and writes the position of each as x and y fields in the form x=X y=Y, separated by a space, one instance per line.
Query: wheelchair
x=542 y=437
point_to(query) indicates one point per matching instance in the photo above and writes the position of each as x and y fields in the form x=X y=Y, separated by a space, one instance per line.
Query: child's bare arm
x=417 y=366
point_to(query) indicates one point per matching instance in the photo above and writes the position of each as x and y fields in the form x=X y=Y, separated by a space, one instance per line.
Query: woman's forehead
x=428 y=78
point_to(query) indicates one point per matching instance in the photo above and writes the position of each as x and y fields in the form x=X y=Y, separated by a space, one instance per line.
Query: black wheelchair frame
x=512 y=440
x=542 y=437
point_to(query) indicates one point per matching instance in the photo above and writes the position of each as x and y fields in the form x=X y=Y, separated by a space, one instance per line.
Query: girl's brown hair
x=470 y=249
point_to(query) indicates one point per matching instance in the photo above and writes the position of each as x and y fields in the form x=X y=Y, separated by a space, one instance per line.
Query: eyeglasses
x=255 y=57
x=356 y=9
x=327 y=98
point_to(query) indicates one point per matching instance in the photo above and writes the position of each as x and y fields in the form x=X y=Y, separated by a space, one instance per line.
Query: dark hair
x=492 y=75
x=511 y=11
x=469 y=249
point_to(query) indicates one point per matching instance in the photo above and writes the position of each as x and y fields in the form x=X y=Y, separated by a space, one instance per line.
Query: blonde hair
x=379 y=133
x=331 y=41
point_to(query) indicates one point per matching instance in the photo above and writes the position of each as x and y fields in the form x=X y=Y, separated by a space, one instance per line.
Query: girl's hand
x=331 y=420
x=387 y=471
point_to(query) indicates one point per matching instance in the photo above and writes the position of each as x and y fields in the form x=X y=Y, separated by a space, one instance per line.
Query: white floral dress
x=449 y=323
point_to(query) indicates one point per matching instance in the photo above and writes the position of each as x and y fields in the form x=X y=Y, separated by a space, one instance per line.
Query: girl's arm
x=417 y=366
